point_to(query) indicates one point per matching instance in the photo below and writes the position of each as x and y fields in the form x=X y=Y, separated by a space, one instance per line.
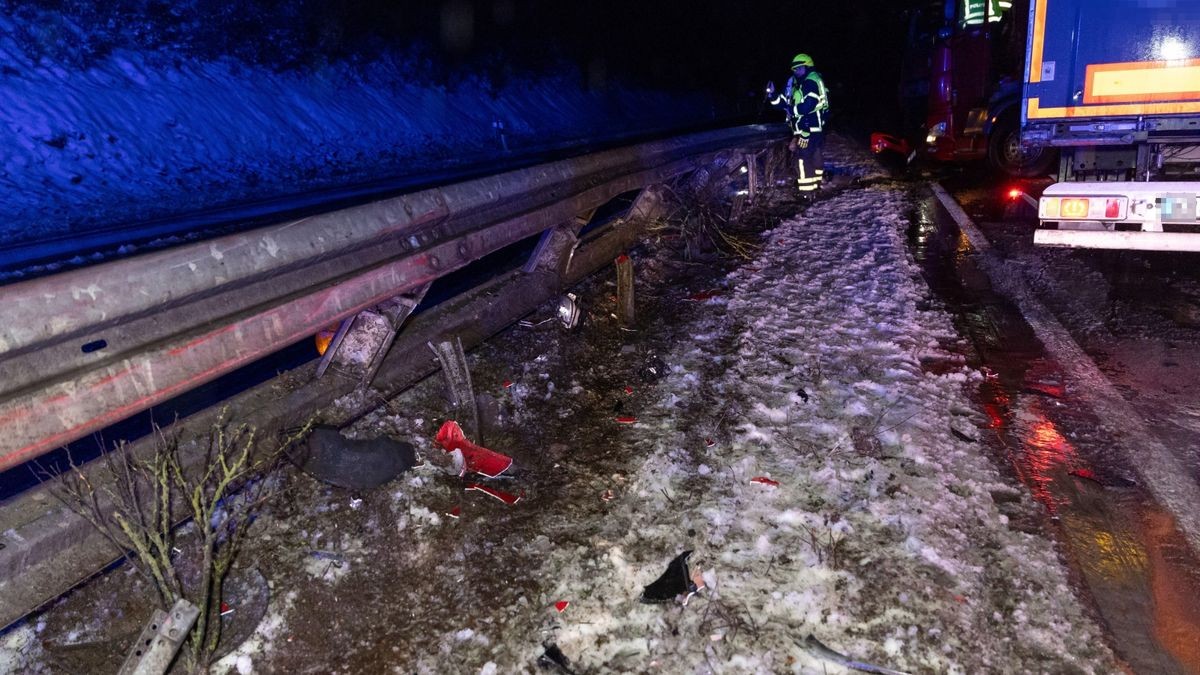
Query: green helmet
x=802 y=60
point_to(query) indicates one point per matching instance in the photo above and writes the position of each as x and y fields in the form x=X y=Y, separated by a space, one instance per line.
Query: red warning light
x=1014 y=193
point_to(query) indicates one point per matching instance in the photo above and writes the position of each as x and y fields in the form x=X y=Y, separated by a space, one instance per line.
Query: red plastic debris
x=708 y=442
x=626 y=420
x=628 y=390
x=506 y=497
x=476 y=459
x=607 y=495
x=226 y=609
x=455 y=512
x=763 y=480
x=622 y=258
x=562 y=605
x=506 y=384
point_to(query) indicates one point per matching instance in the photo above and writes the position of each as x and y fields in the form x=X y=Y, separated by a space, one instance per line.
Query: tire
x=1006 y=154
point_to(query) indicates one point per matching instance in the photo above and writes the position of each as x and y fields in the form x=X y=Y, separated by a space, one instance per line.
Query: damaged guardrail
x=82 y=350
x=86 y=348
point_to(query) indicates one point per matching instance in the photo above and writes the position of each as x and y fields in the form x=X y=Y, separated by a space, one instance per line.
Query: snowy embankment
x=883 y=537
x=143 y=134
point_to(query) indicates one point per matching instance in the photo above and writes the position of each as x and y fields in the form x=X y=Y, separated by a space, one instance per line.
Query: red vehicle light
x=1014 y=193
x=1112 y=208
x=1075 y=208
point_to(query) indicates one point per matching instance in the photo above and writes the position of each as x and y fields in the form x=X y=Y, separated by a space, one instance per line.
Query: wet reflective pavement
x=1125 y=552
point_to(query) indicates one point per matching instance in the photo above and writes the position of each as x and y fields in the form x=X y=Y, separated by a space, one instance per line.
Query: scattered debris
x=354 y=464
x=607 y=495
x=961 y=436
x=226 y=610
x=562 y=605
x=568 y=310
x=628 y=390
x=336 y=559
x=802 y=394
x=455 y=512
x=476 y=459
x=506 y=497
x=355 y=503
x=554 y=658
x=763 y=480
x=625 y=419
x=708 y=442
x=506 y=384
x=675 y=582
x=703 y=296
x=815 y=647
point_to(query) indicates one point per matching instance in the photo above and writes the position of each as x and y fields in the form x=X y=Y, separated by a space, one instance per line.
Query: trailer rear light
x=1112 y=208
x=1075 y=207
x=1083 y=208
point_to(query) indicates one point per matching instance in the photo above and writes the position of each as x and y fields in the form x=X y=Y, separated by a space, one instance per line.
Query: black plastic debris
x=962 y=437
x=802 y=394
x=676 y=581
x=554 y=659
x=354 y=464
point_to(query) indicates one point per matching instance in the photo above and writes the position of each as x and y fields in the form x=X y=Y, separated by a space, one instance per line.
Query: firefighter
x=807 y=104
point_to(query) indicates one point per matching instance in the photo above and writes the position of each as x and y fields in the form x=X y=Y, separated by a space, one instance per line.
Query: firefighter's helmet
x=802 y=60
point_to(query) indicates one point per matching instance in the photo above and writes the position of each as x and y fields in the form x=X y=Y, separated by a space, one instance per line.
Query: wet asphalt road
x=1137 y=316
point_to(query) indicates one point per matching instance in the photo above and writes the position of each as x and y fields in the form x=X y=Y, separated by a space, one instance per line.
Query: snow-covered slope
x=128 y=134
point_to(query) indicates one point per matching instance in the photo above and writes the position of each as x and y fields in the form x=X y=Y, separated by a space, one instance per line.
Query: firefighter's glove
x=800 y=141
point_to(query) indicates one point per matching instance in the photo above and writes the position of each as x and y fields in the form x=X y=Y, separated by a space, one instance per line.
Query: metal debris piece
x=160 y=640
x=568 y=310
x=815 y=647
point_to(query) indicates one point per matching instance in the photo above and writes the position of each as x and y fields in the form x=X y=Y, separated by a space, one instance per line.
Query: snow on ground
x=824 y=364
x=142 y=134
x=882 y=539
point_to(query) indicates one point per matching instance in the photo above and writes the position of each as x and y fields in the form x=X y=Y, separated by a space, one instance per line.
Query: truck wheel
x=1006 y=154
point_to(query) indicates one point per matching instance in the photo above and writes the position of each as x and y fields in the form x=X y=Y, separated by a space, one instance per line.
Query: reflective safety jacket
x=810 y=105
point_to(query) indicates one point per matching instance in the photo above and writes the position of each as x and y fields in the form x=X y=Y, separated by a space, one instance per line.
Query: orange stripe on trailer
x=1035 y=51
x=1142 y=81
x=1035 y=112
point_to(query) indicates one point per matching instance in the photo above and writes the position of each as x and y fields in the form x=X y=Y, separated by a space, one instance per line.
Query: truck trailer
x=1114 y=86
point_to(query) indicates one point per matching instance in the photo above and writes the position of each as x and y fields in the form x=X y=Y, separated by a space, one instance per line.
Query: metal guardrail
x=264 y=289
x=82 y=350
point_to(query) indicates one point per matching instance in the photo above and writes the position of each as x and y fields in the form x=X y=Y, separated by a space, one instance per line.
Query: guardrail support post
x=625 y=310
x=554 y=249
x=160 y=640
x=752 y=177
x=458 y=381
x=369 y=335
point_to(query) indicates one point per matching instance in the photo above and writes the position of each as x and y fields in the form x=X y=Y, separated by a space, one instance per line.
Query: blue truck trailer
x=1114 y=85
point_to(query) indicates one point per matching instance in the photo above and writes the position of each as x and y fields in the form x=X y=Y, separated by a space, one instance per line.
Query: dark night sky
x=728 y=47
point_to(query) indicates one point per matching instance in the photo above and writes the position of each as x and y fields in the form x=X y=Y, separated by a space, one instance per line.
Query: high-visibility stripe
x=1035 y=111
x=807 y=188
x=1141 y=81
x=1036 y=46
